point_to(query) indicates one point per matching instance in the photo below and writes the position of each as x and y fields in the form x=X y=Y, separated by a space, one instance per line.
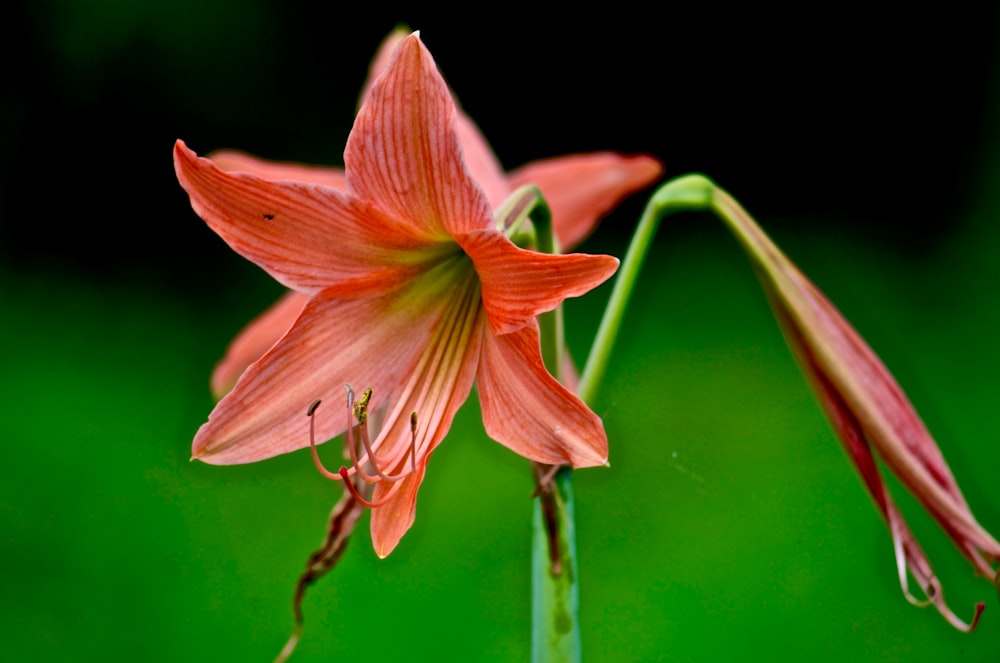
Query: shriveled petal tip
x=910 y=557
x=519 y=284
x=580 y=189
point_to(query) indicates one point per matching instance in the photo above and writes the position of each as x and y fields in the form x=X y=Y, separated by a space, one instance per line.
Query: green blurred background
x=730 y=524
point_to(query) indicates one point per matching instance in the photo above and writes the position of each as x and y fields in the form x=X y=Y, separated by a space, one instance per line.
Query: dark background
x=868 y=116
x=730 y=525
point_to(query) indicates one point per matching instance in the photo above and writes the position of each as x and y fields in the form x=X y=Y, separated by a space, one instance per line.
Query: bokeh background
x=730 y=524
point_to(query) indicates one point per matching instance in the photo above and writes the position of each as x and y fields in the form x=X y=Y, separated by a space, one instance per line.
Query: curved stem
x=683 y=194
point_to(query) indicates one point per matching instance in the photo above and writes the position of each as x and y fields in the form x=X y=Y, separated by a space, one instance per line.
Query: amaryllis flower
x=414 y=292
x=870 y=413
x=579 y=189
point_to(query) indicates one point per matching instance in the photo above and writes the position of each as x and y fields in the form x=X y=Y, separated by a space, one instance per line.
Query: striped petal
x=305 y=235
x=338 y=339
x=482 y=162
x=437 y=389
x=529 y=411
x=869 y=411
x=392 y=520
x=581 y=189
x=910 y=556
x=404 y=151
x=519 y=284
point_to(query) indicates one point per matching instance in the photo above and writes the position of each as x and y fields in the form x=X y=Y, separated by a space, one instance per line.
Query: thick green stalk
x=555 y=601
x=555 y=588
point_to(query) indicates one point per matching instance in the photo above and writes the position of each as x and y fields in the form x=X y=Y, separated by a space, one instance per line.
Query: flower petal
x=255 y=339
x=479 y=157
x=529 y=411
x=582 y=188
x=816 y=330
x=871 y=393
x=519 y=284
x=437 y=387
x=910 y=556
x=390 y=521
x=337 y=340
x=305 y=235
x=870 y=414
x=482 y=162
x=404 y=155
x=233 y=161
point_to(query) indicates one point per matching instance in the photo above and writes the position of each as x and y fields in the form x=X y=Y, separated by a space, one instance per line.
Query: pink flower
x=579 y=189
x=410 y=288
x=870 y=414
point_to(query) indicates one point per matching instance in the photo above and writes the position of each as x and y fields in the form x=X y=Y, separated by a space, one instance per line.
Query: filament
x=357 y=413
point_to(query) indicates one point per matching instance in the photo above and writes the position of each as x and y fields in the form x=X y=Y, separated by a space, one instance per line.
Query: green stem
x=555 y=632
x=686 y=193
x=523 y=204
x=555 y=590
x=551 y=323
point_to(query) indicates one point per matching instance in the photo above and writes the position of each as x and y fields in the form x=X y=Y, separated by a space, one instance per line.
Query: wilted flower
x=869 y=412
x=413 y=289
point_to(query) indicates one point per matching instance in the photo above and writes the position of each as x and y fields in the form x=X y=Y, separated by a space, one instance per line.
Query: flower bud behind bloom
x=868 y=410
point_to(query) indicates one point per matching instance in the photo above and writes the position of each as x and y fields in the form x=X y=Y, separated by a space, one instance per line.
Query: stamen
x=312 y=442
x=361 y=414
x=354 y=491
x=358 y=411
x=361 y=407
x=352 y=409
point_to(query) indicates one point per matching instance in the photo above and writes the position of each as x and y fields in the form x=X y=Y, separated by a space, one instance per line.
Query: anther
x=361 y=407
x=361 y=414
